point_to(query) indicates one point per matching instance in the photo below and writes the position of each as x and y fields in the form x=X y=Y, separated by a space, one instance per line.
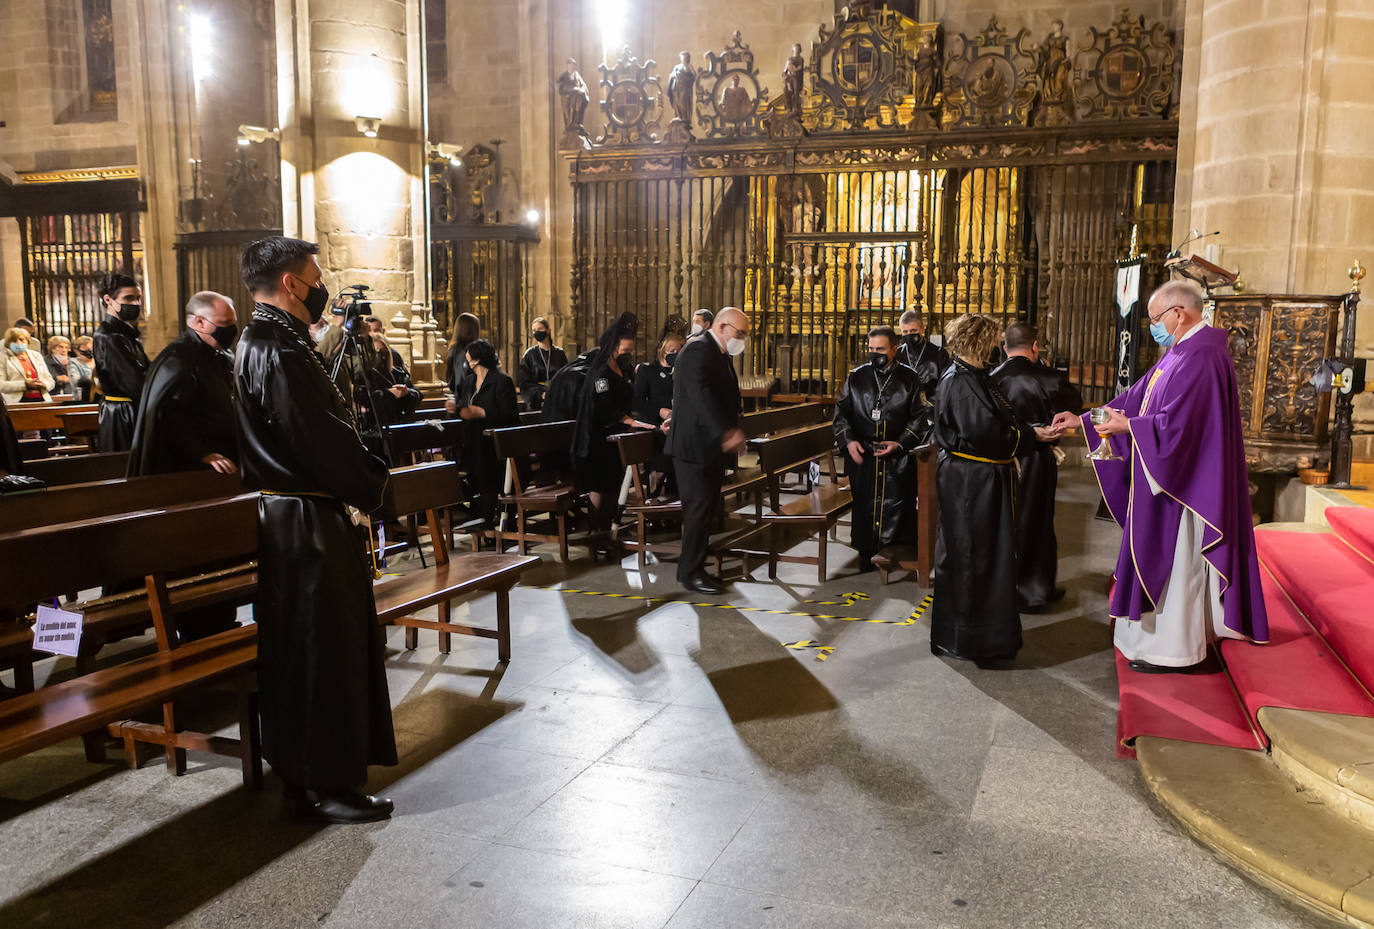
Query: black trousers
x=698 y=486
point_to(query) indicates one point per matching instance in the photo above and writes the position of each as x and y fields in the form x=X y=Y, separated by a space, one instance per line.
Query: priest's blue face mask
x=1160 y=332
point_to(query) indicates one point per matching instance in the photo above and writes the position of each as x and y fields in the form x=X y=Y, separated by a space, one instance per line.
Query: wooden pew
x=781 y=419
x=543 y=480
x=79 y=469
x=69 y=502
x=80 y=427
x=430 y=489
x=27 y=417
x=34 y=449
x=154 y=545
x=817 y=511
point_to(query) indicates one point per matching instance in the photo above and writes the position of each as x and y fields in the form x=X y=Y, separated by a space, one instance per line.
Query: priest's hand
x=885 y=448
x=856 y=452
x=220 y=463
x=1064 y=421
x=1115 y=425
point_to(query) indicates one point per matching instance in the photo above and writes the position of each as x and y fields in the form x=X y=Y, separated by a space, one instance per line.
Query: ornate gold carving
x=862 y=69
x=122 y=172
x=990 y=79
x=1127 y=71
x=631 y=101
x=730 y=98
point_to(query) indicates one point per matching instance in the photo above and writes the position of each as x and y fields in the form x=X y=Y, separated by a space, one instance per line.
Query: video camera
x=352 y=304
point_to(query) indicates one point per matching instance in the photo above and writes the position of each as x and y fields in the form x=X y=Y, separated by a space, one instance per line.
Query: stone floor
x=648 y=765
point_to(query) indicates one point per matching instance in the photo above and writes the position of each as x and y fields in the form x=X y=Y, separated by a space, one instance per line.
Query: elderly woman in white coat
x=24 y=375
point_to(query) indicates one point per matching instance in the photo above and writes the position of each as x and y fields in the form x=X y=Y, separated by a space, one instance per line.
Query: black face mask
x=911 y=339
x=86 y=353
x=316 y=299
x=878 y=359
x=224 y=336
x=670 y=359
x=129 y=311
x=625 y=362
x=541 y=335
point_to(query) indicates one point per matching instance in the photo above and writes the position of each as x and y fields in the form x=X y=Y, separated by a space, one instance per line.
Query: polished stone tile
x=516 y=888
x=712 y=906
x=575 y=725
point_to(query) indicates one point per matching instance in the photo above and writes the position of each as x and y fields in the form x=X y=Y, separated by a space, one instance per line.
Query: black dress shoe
x=1057 y=594
x=1144 y=667
x=704 y=584
x=339 y=806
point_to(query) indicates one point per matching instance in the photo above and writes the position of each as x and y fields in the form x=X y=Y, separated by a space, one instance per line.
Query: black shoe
x=1032 y=608
x=339 y=806
x=1057 y=594
x=1144 y=667
x=704 y=584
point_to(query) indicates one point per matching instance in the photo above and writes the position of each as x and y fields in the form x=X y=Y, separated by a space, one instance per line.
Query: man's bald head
x=1181 y=295
x=731 y=322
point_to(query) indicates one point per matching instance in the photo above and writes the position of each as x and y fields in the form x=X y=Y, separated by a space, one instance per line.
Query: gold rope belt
x=984 y=460
x=119 y=399
x=296 y=493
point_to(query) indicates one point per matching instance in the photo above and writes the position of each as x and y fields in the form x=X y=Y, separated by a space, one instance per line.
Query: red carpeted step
x=1297 y=669
x=1187 y=707
x=1355 y=526
x=1332 y=585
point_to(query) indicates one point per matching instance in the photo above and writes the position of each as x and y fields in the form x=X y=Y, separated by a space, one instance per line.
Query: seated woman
x=395 y=395
x=466 y=330
x=539 y=364
x=83 y=363
x=975 y=616
x=653 y=396
x=24 y=375
x=60 y=365
x=488 y=403
x=605 y=402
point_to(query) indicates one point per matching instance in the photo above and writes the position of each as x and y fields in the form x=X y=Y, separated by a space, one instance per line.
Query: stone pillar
x=1276 y=144
x=353 y=194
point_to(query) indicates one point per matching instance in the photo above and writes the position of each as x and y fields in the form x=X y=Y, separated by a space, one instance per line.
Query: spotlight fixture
x=368 y=125
x=250 y=134
x=532 y=216
x=445 y=151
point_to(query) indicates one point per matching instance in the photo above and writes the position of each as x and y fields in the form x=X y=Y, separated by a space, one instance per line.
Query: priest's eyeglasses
x=1155 y=319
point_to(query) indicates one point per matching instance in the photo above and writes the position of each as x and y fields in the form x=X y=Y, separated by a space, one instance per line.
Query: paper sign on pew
x=57 y=631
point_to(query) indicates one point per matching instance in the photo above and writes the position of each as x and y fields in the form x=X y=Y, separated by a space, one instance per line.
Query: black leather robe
x=1036 y=393
x=121 y=365
x=11 y=460
x=326 y=713
x=187 y=409
x=883 y=488
x=928 y=360
x=975 y=614
x=606 y=399
x=537 y=366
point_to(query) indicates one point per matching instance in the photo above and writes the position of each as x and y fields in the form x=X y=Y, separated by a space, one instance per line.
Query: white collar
x=1202 y=324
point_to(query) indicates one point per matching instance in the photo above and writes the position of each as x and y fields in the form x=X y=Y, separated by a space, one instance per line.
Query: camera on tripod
x=353 y=306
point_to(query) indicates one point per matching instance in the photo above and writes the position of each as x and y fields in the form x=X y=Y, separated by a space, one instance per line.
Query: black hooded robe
x=537 y=367
x=882 y=488
x=120 y=365
x=187 y=409
x=927 y=359
x=326 y=712
x=975 y=613
x=605 y=400
x=1036 y=394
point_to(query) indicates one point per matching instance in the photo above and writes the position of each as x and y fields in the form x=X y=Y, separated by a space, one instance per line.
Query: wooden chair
x=543 y=480
x=818 y=511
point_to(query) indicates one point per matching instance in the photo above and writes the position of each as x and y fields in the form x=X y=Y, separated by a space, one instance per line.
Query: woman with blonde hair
x=975 y=616
x=24 y=377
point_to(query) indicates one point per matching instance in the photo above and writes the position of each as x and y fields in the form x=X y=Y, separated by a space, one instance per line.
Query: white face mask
x=735 y=347
x=696 y=327
x=318 y=334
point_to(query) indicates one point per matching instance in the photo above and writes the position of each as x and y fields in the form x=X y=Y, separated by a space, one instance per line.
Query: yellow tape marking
x=909 y=621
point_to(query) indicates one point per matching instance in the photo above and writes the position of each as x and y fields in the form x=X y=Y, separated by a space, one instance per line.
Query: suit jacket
x=1036 y=392
x=705 y=401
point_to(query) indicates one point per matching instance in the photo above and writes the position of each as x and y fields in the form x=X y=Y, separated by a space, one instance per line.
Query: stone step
x=1329 y=754
x=1238 y=803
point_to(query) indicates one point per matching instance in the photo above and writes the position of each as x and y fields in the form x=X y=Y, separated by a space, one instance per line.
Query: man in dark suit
x=703 y=432
x=1036 y=393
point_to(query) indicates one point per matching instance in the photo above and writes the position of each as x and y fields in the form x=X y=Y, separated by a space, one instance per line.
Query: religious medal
x=877 y=414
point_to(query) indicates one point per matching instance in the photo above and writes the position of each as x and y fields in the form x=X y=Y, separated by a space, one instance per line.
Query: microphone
x=1178 y=250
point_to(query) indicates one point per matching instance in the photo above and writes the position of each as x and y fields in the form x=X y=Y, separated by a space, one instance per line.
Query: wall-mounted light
x=250 y=134
x=445 y=151
x=368 y=126
x=202 y=45
x=532 y=216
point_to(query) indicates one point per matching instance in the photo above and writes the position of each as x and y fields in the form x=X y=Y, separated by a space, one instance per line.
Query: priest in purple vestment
x=1187 y=571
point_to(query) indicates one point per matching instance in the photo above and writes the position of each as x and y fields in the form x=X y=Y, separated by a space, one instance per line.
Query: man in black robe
x=879 y=419
x=1036 y=393
x=120 y=362
x=917 y=352
x=326 y=713
x=186 y=415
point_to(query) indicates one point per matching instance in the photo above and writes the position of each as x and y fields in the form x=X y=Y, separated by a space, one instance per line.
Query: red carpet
x=1187 y=707
x=1355 y=526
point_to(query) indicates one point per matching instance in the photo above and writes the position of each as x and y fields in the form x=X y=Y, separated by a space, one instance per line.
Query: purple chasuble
x=1186 y=434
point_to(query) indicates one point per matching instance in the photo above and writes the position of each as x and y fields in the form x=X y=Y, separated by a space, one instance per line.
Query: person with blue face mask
x=26 y=378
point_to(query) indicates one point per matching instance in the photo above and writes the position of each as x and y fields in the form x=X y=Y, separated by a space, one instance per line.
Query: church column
x=357 y=195
x=1276 y=144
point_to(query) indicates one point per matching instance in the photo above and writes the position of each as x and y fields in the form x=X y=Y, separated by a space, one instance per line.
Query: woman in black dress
x=605 y=402
x=395 y=394
x=539 y=364
x=466 y=329
x=653 y=401
x=489 y=403
x=975 y=616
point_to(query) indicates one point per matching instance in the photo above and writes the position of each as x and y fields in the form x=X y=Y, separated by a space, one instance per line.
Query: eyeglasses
x=743 y=333
x=1155 y=319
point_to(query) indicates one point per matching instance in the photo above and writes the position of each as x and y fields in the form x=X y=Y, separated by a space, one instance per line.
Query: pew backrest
x=421 y=487
x=72 y=502
x=784 y=451
x=26 y=417
x=79 y=469
x=781 y=419
x=541 y=453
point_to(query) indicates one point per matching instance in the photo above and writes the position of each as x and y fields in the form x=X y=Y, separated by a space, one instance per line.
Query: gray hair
x=910 y=316
x=203 y=303
x=1179 y=293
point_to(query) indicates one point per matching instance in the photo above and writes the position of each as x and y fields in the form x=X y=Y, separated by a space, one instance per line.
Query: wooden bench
x=542 y=479
x=781 y=419
x=638 y=450
x=34 y=449
x=29 y=417
x=922 y=560
x=155 y=545
x=70 y=502
x=80 y=427
x=431 y=488
x=79 y=469
x=817 y=511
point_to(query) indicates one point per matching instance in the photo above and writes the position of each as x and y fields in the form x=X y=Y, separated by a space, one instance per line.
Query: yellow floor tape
x=909 y=621
x=822 y=651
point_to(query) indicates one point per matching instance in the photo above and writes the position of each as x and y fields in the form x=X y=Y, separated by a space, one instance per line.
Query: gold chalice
x=1103 y=452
